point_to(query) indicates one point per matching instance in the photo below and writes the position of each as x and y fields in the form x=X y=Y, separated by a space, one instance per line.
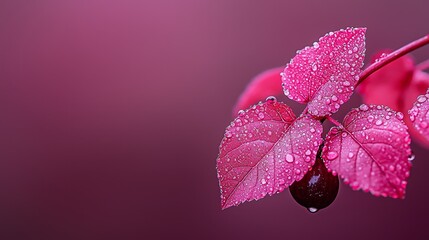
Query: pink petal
x=264 y=150
x=324 y=75
x=371 y=151
x=419 y=115
x=266 y=84
x=386 y=86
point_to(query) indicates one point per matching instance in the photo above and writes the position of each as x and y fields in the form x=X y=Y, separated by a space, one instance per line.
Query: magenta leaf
x=397 y=85
x=370 y=151
x=419 y=115
x=268 y=83
x=264 y=150
x=325 y=74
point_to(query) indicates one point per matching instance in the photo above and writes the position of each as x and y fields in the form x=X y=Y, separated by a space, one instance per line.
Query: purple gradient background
x=112 y=113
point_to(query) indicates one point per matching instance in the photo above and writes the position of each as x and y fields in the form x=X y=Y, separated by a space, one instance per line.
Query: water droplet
x=261 y=116
x=334 y=98
x=228 y=134
x=314 y=67
x=411 y=157
x=421 y=99
x=263 y=181
x=289 y=158
x=332 y=155
x=400 y=115
x=269 y=133
x=315 y=44
x=308 y=152
x=363 y=107
x=286 y=92
x=347 y=65
x=350 y=154
x=346 y=83
x=378 y=122
x=271 y=99
x=312 y=209
x=297 y=171
x=370 y=118
x=312 y=130
x=241 y=112
x=423 y=124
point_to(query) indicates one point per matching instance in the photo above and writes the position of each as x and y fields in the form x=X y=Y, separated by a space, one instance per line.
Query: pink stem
x=334 y=121
x=423 y=66
x=393 y=56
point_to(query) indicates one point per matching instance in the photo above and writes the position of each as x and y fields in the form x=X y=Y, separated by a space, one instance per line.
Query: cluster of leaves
x=267 y=147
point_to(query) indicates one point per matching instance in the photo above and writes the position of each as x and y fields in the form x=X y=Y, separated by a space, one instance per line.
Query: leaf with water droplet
x=419 y=115
x=279 y=152
x=373 y=155
x=396 y=85
x=317 y=75
x=267 y=83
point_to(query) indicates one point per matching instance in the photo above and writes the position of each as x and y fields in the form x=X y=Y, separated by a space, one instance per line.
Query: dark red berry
x=317 y=189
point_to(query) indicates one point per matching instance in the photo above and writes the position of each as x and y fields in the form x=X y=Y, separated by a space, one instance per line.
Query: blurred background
x=111 y=114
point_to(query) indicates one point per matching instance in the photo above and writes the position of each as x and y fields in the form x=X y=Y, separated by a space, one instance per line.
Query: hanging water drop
x=312 y=209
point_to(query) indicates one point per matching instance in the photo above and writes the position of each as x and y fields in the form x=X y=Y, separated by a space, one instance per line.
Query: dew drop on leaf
x=378 y=122
x=332 y=155
x=421 y=99
x=228 y=134
x=363 y=107
x=271 y=99
x=289 y=158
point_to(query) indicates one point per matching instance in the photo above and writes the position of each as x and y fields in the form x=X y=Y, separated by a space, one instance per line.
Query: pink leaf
x=397 y=85
x=419 y=115
x=324 y=75
x=370 y=151
x=264 y=150
x=266 y=84
x=387 y=85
